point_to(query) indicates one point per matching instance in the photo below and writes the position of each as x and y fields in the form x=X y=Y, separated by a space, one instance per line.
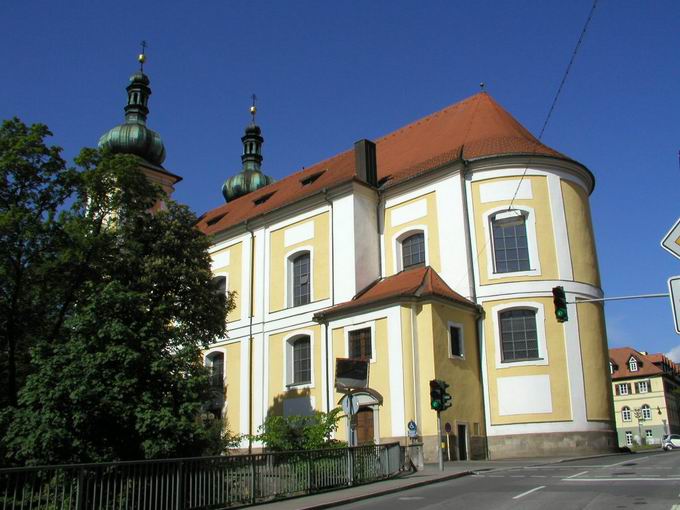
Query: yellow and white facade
x=540 y=389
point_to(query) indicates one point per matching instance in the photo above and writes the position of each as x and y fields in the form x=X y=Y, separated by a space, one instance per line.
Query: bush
x=279 y=433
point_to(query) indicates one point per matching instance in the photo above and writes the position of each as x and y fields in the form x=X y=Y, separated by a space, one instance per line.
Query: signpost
x=671 y=243
x=674 y=293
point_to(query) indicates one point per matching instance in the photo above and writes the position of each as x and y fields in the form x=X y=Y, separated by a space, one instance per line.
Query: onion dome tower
x=132 y=136
x=250 y=178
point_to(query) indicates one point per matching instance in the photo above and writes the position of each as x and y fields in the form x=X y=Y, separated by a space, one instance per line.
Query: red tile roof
x=475 y=128
x=421 y=282
x=620 y=356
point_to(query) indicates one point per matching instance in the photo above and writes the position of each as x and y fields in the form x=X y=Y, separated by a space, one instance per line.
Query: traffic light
x=446 y=398
x=436 y=395
x=560 y=301
x=439 y=398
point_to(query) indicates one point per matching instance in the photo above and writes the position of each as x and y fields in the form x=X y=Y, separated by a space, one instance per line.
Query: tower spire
x=142 y=56
x=250 y=178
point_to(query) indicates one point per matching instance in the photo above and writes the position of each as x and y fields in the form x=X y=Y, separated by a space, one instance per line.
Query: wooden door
x=365 y=426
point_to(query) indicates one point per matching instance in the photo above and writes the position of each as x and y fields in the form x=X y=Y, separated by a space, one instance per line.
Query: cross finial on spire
x=253 y=108
x=481 y=86
x=142 y=56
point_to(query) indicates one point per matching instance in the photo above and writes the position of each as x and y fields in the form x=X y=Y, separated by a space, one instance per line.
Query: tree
x=34 y=183
x=116 y=367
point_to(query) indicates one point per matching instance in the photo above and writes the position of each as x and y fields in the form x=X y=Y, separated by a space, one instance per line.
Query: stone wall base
x=552 y=444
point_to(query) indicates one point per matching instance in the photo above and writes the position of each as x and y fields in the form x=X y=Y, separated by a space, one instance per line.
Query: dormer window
x=311 y=178
x=632 y=364
x=611 y=367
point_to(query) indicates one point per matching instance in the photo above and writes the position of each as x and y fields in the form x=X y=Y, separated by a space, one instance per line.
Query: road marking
x=529 y=492
x=496 y=476
x=628 y=461
x=577 y=474
x=516 y=476
x=538 y=476
x=411 y=498
x=647 y=479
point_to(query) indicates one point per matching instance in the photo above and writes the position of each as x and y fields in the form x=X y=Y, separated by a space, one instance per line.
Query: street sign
x=350 y=404
x=671 y=242
x=447 y=428
x=674 y=293
x=412 y=429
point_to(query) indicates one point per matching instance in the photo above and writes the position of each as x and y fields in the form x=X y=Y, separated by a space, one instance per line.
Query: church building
x=430 y=252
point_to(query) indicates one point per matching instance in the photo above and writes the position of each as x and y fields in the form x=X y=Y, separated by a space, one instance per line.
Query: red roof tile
x=620 y=357
x=420 y=282
x=475 y=128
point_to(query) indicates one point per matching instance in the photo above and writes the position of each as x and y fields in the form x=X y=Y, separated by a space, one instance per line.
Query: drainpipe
x=479 y=323
x=250 y=338
x=414 y=358
x=377 y=219
x=324 y=321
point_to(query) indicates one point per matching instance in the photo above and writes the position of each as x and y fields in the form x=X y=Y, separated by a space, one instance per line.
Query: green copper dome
x=250 y=178
x=132 y=136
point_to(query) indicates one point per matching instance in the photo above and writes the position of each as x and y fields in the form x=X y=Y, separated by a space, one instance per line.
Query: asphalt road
x=642 y=481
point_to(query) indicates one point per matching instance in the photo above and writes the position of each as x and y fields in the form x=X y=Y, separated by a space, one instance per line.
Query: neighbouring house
x=646 y=390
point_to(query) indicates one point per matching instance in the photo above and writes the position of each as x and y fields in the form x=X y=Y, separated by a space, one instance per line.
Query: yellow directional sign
x=671 y=242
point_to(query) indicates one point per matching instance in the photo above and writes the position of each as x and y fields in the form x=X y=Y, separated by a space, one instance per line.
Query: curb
x=354 y=499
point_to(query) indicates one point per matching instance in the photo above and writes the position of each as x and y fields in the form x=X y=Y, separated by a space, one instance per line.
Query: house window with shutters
x=642 y=387
x=623 y=389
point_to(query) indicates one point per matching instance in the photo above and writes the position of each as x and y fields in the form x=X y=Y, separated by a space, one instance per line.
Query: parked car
x=670 y=441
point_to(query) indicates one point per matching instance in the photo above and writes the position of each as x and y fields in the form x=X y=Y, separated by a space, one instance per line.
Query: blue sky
x=330 y=73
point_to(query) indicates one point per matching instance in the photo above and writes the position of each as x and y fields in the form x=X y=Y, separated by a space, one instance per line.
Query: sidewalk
x=430 y=474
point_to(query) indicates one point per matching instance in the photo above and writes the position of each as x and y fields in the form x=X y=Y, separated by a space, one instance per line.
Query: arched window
x=646 y=412
x=413 y=251
x=215 y=362
x=510 y=246
x=301 y=365
x=301 y=279
x=625 y=414
x=519 y=339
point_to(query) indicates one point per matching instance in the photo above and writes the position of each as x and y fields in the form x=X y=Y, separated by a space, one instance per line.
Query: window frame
x=532 y=243
x=461 y=336
x=209 y=360
x=633 y=362
x=354 y=327
x=626 y=411
x=401 y=236
x=543 y=356
x=416 y=237
x=646 y=412
x=621 y=386
x=639 y=385
x=289 y=360
x=289 y=291
x=629 y=438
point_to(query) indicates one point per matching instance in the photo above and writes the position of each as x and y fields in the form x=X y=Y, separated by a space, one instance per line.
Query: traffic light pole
x=440 y=451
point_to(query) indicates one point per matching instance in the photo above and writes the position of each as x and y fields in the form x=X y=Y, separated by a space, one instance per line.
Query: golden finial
x=142 y=56
x=253 y=108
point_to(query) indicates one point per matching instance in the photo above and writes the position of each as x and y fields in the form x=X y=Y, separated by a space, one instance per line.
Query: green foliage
x=312 y=432
x=115 y=337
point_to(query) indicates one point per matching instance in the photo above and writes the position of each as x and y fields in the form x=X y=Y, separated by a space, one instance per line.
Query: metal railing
x=195 y=483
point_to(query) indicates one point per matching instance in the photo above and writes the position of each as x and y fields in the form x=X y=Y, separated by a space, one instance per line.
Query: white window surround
x=646 y=412
x=226 y=278
x=399 y=237
x=632 y=364
x=623 y=389
x=629 y=438
x=643 y=387
x=288 y=274
x=540 y=333
x=288 y=359
x=532 y=243
x=459 y=326
x=354 y=327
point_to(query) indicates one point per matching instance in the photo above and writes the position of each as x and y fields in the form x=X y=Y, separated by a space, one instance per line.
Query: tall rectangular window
x=510 y=247
x=359 y=341
x=301 y=279
x=456 y=341
x=519 y=339
x=302 y=361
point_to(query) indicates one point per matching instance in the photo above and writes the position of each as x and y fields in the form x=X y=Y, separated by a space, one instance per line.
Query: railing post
x=181 y=503
x=309 y=472
x=350 y=466
x=387 y=452
x=80 y=499
x=253 y=479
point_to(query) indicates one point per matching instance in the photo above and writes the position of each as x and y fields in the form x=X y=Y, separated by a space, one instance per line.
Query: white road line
x=577 y=474
x=529 y=492
x=646 y=479
x=636 y=460
x=496 y=476
x=516 y=476
x=538 y=476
